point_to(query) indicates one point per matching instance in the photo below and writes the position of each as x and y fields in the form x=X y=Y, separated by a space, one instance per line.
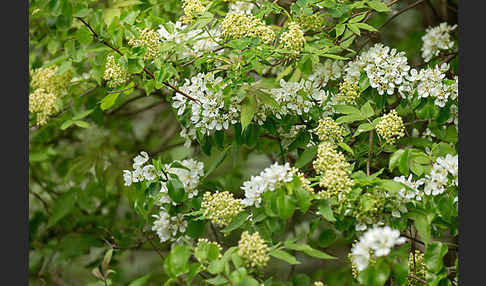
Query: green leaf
x=367 y=110
x=66 y=124
x=332 y=56
x=304 y=198
x=82 y=124
x=346 y=148
x=285 y=256
x=434 y=255
x=108 y=101
x=350 y=118
x=140 y=281
x=363 y=128
x=236 y=222
x=340 y=29
x=365 y=26
x=106 y=261
x=176 y=190
x=307 y=249
x=354 y=28
x=217 y=161
x=306 y=156
x=346 y=109
x=325 y=210
x=394 y=159
x=83 y=36
x=285 y=206
x=422 y=224
x=403 y=163
x=177 y=262
x=248 y=110
x=195 y=228
x=62 y=207
x=83 y=114
x=135 y=65
x=378 y=6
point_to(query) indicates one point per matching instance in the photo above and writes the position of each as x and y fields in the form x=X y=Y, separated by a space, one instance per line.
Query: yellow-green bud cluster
x=391 y=127
x=204 y=242
x=348 y=92
x=306 y=184
x=48 y=79
x=253 y=249
x=220 y=207
x=150 y=40
x=319 y=283
x=293 y=39
x=418 y=268
x=310 y=22
x=191 y=9
x=238 y=25
x=48 y=86
x=115 y=75
x=44 y=103
x=329 y=130
x=335 y=170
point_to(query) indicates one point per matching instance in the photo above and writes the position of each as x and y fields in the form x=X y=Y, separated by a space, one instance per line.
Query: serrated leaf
x=307 y=249
x=285 y=256
x=325 y=210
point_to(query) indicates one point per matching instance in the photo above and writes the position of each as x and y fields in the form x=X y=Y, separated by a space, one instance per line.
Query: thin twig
x=370 y=150
x=125 y=103
x=144 y=68
x=417 y=278
x=153 y=246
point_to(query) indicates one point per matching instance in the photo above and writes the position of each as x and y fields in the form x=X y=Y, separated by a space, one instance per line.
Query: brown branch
x=390 y=19
x=144 y=68
x=417 y=278
x=153 y=246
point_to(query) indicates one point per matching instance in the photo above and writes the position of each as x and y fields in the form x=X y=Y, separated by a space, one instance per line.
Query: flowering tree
x=249 y=142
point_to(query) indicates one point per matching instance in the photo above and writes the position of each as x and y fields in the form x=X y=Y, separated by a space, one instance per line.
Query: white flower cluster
x=437 y=39
x=189 y=178
x=380 y=240
x=210 y=114
x=196 y=41
x=170 y=228
x=439 y=175
x=141 y=172
x=430 y=82
x=329 y=70
x=387 y=69
x=297 y=98
x=269 y=179
x=414 y=193
x=241 y=7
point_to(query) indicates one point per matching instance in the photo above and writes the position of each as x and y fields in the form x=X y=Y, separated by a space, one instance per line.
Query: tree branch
x=144 y=68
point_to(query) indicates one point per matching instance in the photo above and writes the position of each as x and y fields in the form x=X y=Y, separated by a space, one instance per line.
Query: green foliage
x=214 y=111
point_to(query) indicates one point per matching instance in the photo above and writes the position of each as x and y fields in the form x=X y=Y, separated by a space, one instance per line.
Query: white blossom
x=437 y=39
x=269 y=179
x=379 y=239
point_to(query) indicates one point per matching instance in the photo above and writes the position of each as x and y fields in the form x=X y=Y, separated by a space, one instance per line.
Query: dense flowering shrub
x=242 y=143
